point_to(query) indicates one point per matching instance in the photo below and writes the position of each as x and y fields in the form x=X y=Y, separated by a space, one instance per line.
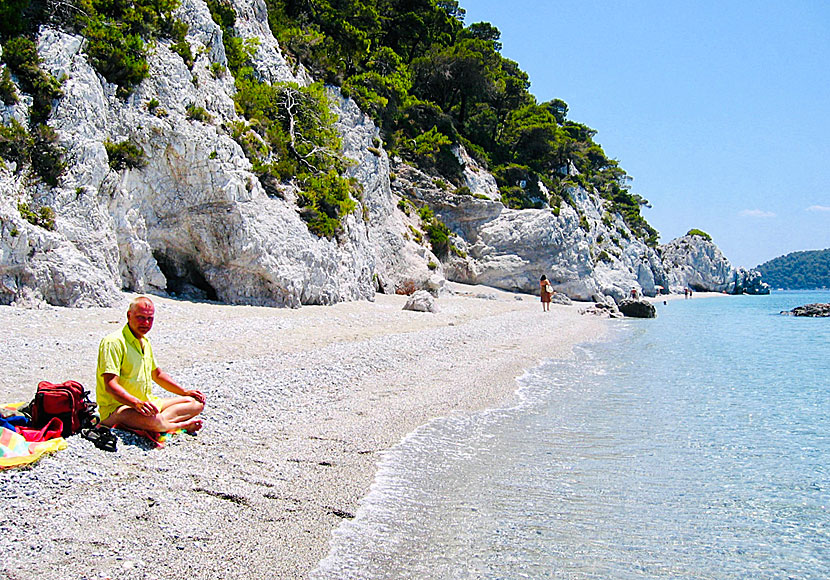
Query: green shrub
x=699 y=233
x=516 y=198
x=432 y=265
x=118 y=35
x=121 y=58
x=37 y=149
x=437 y=232
x=218 y=70
x=439 y=237
x=419 y=238
x=15 y=143
x=43 y=216
x=195 y=113
x=8 y=92
x=46 y=155
x=13 y=19
x=324 y=201
x=125 y=155
x=20 y=55
x=152 y=105
x=181 y=47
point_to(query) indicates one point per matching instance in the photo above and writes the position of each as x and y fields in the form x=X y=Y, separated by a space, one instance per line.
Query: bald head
x=140 y=316
x=139 y=300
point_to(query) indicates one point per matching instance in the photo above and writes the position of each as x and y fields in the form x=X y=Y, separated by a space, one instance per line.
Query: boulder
x=812 y=310
x=559 y=298
x=421 y=301
x=603 y=309
x=637 y=308
x=437 y=285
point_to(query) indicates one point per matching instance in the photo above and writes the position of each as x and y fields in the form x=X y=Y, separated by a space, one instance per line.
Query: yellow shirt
x=121 y=354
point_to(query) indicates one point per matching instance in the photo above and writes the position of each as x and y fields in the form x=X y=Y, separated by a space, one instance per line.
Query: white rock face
x=196 y=221
x=696 y=263
x=511 y=249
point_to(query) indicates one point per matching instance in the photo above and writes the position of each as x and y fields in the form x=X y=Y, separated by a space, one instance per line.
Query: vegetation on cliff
x=289 y=135
x=798 y=270
x=700 y=234
x=430 y=82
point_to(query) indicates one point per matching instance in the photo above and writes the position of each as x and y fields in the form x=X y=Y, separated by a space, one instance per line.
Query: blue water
x=695 y=445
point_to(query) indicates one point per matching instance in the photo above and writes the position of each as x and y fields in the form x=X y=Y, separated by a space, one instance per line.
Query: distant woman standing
x=546 y=291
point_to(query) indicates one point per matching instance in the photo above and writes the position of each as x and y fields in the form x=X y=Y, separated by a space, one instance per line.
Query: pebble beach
x=300 y=406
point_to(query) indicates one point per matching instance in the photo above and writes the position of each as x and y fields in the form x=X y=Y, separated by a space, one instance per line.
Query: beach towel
x=16 y=451
x=158 y=439
x=11 y=418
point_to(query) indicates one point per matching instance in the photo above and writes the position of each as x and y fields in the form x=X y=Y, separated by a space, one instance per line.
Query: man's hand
x=196 y=395
x=146 y=408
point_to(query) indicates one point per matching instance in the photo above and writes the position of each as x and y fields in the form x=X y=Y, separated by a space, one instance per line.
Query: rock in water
x=637 y=308
x=421 y=301
x=813 y=310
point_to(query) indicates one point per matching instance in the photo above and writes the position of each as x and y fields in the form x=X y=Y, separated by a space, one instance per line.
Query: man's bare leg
x=176 y=413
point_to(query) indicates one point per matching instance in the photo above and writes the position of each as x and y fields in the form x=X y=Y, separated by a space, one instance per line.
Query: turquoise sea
x=695 y=445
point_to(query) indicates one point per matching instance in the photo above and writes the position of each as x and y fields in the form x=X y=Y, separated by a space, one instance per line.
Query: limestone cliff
x=694 y=262
x=195 y=220
x=583 y=250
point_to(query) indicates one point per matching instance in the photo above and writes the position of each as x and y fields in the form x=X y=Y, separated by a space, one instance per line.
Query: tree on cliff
x=431 y=82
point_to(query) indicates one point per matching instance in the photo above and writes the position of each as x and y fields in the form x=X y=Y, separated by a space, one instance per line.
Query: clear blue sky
x=720 y=111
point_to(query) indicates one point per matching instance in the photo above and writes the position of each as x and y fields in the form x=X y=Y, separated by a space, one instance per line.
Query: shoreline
x=300 y=405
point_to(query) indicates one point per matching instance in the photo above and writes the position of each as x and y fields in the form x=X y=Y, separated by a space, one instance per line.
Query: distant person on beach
x=546 y=291
x=124 y=380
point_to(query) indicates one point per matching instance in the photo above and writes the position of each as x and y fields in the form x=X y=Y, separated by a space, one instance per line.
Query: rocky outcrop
x=583 y=249
x=750 y=282
x=695 y=262
x=603 y=309
x=637 y=308
x=812 y=310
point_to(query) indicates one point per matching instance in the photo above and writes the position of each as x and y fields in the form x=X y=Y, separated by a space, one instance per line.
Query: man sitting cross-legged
x=125 y=376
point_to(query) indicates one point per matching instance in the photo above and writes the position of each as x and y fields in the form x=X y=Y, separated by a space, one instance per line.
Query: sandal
x=101 y=437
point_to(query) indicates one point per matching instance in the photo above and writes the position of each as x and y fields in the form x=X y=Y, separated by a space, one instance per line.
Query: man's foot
x=192 y=426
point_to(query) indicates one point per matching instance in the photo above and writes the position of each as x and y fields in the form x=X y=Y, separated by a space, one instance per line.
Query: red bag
x=68 y=401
